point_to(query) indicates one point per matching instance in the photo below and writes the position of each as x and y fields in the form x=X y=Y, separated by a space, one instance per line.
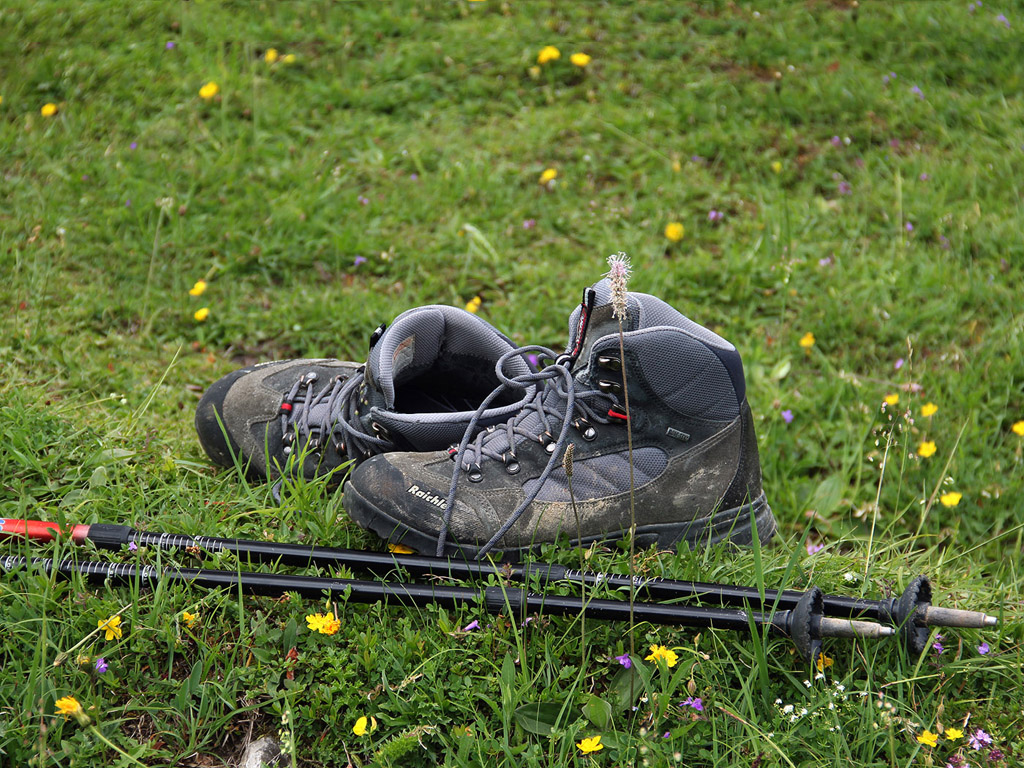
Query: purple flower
x=813 y=549
x=529 y=223
x=128 y=203
x=359 y=260
x=170 y=45
x=533 y=360
x=836 y=141
x=924 y=177
x=979 y=739
x=666 y=735
x=898 y=364
x=133 y=145
x=944 y=241
x=983 y=648
x=845 y=188
x=624 y=660
x=887 y=78
x=85 y=177
x=894 y=143
x=690 y=701
x=996 y=754
x=937 y=645
x=1002 y=18
x=132 y=546
x=827 y=261
x=714 y=215
x=787 y=416
x=909 y=227
x=696 y=159
x=363 y=200
x=101 y=665
x=917 y=92
x=414 y=176
x=474 y=624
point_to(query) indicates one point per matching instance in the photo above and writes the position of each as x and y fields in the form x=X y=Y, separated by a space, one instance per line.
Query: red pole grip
x=39 y=530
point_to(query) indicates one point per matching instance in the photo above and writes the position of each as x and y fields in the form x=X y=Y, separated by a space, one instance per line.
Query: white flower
x=618 y=275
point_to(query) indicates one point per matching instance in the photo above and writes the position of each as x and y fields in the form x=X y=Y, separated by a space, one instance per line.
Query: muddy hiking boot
x=696 y=474
x=425 y=378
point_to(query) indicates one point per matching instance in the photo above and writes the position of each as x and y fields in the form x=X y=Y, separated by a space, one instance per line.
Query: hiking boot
x=695 y=469
x=425 y=377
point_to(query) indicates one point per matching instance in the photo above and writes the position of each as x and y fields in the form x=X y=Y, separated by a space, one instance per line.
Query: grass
x=891 y=231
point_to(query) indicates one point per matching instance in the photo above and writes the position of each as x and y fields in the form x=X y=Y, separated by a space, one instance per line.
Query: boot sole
x=732 y=525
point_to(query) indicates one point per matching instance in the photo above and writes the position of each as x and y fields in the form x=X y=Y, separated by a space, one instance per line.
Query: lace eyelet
x=475 y=475
x=513 y=467
x=585 y=428
x=611 y=363
x=609 y=386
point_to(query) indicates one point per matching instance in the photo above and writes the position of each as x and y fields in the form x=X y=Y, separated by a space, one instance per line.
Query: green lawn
x=864 y=166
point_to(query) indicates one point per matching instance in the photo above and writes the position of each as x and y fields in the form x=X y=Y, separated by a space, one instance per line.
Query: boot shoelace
x=336 y=418
x=556 y=397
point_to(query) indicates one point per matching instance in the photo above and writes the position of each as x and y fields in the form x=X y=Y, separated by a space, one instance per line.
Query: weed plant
x=835 y=188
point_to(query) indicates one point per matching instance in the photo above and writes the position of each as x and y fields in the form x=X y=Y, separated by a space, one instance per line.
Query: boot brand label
x=678 y=434
x=427 y=496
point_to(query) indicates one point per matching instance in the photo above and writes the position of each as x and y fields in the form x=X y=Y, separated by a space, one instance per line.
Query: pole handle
x=39 y=530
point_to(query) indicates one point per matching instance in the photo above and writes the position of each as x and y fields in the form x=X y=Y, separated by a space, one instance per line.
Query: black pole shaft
x=381 y=564
x=495 y=599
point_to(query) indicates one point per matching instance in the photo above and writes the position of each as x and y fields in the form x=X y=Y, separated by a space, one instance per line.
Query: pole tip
x=991 y=621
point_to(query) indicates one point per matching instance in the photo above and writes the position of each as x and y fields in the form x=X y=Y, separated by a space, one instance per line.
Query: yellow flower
x=330 y=625
x=209 y=90
x=952 y=734
x=950 y=499
x=68 y=705
x=807 y=340
x=534 y=72
x=315 y=621
x=677 y=166
x=201 y=314
x=580 y=59
x=548 y=53
x=892 y=399
x=190 y=619
x=48 y=110
x=593 y=744
x=400 y=549
x=926 y=449
x=674 y=231
x=364 y=724
x=777 y=166
x=928 y=738
x=473 y=305
x=270 y=55
x=198 y=288
x=549 y=175
x=111 y=626
x=1018 y=428
x=824 y=662
x=929 y=409
x=661 y=652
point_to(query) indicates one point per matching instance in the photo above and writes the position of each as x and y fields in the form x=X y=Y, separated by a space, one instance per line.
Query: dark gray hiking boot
x=425 y=377
x=696 y=473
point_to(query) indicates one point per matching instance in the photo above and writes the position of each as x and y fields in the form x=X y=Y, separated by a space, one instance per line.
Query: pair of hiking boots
x=458 y=441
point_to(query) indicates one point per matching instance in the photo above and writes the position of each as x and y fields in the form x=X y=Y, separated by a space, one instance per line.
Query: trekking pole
x=912 y=612
x=805 y=624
